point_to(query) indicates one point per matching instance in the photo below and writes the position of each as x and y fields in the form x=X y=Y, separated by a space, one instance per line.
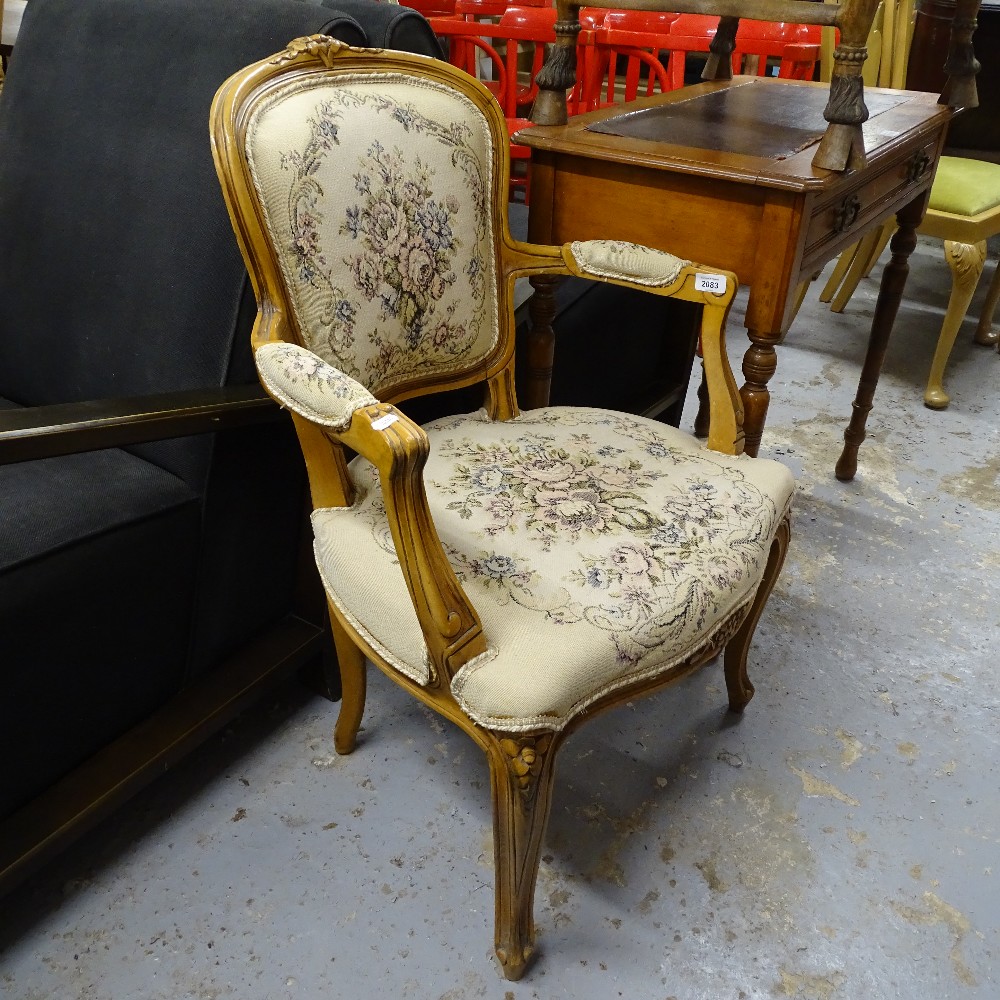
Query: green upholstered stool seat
x=965 y=187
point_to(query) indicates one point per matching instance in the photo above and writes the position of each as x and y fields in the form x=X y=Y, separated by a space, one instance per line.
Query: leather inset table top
x=755 y=118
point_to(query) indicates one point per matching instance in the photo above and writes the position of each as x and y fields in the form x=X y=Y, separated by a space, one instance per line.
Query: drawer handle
x=917 y=166
x=847 y=214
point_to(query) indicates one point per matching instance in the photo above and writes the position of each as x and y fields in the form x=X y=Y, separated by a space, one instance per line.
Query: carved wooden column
x=720 y=53
x=558 y=74
x=962 y=65
x=843 y=144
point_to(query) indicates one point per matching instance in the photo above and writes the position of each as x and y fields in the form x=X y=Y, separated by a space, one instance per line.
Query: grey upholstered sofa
x=141 y=600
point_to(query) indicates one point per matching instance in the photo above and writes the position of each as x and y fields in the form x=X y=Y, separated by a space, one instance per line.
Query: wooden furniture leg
x=889 y=296
x=985 y=334
x=540 y=342
x=759 y=364
x=738 y=684
x=966 y=261
x=521 y=777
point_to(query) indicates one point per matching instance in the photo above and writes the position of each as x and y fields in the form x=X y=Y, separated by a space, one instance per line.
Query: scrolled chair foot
x=514 y=961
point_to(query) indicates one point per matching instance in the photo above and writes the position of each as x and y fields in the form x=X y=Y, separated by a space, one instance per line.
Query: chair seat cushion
x=965 y=187
x=599 y=549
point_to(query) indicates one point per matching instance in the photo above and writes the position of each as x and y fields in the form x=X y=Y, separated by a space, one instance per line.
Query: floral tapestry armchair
x=517 y=572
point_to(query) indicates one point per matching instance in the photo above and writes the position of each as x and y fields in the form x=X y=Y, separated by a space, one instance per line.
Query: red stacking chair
x=635 y=38
x=797 y=46
x=433 y=8
x=689 y=33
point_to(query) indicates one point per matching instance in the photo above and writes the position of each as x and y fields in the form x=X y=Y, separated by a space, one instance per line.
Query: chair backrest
x=626 y=57
x=119 y=275
x=362 y=257
x=795 y=46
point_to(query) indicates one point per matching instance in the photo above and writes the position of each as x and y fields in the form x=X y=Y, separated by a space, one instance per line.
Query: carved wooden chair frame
x=842 y=146
x=521 y=763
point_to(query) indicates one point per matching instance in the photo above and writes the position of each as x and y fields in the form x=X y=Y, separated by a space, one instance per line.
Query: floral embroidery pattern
x=293 y=373
x=643 y=555
x=337 y=313
x=412 y=239
x=409 y=247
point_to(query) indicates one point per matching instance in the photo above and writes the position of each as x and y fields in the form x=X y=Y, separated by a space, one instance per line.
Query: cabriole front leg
x=966 y=261
x=521 y=777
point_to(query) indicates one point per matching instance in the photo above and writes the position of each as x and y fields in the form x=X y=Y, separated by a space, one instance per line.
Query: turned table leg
x=540 y=343
x=889 y=296
x=759 y=364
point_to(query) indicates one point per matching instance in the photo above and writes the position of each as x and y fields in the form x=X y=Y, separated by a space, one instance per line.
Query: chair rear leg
x=985 y=334
x=735 y=659
x=354 y=686
x=521 y=778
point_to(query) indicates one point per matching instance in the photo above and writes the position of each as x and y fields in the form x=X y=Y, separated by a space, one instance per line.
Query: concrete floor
x=838 y=842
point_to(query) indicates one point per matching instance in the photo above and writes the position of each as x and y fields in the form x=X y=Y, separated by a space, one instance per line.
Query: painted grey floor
x=838 y=842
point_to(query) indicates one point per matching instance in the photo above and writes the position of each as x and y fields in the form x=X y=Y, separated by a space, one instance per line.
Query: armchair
x=151 y=496
x=517 y=572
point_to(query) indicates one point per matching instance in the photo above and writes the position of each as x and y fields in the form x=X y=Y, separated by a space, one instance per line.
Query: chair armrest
x=305 y=383
x=322 y=395
x=659 y=273
x=33 y=432
x=615 y=260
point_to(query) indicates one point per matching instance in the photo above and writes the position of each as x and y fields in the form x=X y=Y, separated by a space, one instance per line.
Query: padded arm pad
x=621 y=261
x=305 y=383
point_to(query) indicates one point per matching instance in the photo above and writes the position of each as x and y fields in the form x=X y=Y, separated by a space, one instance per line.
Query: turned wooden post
x=889 y=296
x=843 y=145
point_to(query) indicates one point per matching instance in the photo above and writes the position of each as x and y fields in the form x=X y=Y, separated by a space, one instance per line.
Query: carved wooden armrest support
x=307 y=385
x=662 y=273
x=398 y=448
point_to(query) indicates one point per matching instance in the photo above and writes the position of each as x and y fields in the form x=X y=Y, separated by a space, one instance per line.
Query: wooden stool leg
x=889 y=296
x=521 y=776
x=838 y=272
x=966 y=261
x=859 y=265
x=985 y=334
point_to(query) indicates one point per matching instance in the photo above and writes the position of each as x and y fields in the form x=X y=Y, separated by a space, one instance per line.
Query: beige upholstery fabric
x=627 y=261
x=386 y=245
x=300 y=380
x=599 y=548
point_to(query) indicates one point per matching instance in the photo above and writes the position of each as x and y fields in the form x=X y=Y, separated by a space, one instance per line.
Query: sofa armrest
x=32 y=432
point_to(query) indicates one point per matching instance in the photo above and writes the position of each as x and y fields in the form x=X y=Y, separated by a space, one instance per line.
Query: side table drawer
x=841 y=218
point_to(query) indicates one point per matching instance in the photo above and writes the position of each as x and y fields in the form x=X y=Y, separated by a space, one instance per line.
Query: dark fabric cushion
x=389 y=26
x=119 y=272
x=97 y=552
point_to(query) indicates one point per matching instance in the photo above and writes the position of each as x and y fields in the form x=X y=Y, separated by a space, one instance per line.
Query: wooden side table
x=721 y=173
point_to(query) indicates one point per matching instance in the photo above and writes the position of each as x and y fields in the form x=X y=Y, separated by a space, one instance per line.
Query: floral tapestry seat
x=515 y=571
